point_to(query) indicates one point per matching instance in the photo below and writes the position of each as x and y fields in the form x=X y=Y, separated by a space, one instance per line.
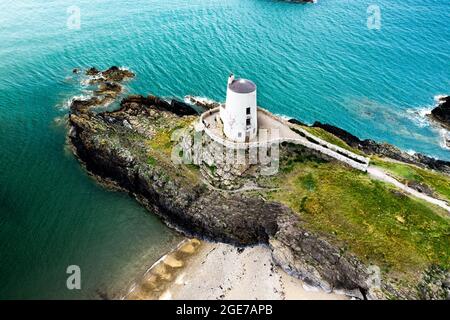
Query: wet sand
x=198 y=270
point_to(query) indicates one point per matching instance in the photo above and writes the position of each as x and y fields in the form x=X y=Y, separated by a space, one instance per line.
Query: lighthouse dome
x=242 y=86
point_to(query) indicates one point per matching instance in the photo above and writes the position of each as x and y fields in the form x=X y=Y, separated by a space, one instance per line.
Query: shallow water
x=312 y=62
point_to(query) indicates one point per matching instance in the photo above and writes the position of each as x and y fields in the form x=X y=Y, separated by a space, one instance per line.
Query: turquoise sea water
x=312 y=62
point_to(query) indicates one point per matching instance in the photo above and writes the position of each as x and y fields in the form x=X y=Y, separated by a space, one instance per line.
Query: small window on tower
x=239 y=134
x=248 y=111
x=248 y=122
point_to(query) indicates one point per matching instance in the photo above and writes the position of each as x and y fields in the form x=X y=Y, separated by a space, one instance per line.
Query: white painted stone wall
x=321 y=146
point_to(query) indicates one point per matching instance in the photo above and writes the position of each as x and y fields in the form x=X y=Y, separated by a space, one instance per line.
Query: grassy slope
x=440 y=183
x=382 y=227
x=367 y=217
x=161 y=146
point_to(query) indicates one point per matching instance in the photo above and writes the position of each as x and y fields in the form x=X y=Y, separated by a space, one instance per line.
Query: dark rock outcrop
x=296 y=121
x=191 y=208
x=83 y=105
x=181 y=109
x=422 y=188
x=316 y=261
x=109 y=87
x=117 y=74
x=177 y=107
x=113 y=74
x=92 y=71
x=202 y=103
x=442 y=111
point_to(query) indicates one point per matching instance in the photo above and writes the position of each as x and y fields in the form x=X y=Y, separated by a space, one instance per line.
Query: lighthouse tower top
x=241 y=85
x=239 y=113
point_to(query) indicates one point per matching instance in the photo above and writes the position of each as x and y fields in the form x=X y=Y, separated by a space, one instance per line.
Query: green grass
x=151 y=161
x=161 y=147
x=162 y=142
x=212 y=169
x=307 y=182
x=439 y=182
x=367 y=217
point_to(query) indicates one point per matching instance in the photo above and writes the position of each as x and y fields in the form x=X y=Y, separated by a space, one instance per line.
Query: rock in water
x=108 y=87
x=111 y=89
x=113 y=74
x=442 y=112
x=92 y=71
x=116 y=74
x=82 y=105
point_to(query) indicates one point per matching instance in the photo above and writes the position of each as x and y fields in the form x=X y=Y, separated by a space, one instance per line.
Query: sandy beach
x=198 y=270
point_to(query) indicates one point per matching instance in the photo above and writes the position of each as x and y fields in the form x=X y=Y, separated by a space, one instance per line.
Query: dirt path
x=383 y=176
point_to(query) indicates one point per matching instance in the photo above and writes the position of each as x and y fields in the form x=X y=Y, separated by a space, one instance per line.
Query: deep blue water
x=312 y=62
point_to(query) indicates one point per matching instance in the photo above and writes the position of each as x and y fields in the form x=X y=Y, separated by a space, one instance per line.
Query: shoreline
x=198 y=270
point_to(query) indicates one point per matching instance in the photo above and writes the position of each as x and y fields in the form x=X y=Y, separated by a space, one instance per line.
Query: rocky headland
x=132 y=147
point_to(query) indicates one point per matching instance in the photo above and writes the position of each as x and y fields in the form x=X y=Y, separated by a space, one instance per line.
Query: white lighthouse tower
x=239 y=114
